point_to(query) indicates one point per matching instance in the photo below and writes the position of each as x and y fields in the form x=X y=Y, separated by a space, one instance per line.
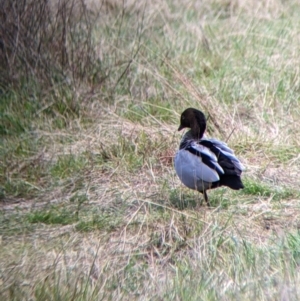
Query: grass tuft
x=52 y=216
x=255 y=187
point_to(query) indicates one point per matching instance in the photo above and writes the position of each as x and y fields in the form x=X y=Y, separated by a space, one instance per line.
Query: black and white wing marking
x=206 y=155
x=225 y=156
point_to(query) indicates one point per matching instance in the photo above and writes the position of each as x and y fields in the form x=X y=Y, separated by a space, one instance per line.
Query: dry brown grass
x=127 y=228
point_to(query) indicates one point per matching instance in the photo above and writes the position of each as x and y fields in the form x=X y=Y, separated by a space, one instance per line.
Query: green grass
x=259 y=188
x=16 y=112
x=90 y=205
x=52 y=216
x=68 y=166
x=100 y=221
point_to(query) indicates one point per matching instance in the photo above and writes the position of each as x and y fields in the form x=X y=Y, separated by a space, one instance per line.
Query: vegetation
x=90 y=99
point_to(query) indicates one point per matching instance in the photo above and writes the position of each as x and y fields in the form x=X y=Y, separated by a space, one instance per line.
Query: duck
x=202 y=164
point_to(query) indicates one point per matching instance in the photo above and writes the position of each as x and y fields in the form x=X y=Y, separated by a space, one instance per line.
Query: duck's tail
x=232 y=181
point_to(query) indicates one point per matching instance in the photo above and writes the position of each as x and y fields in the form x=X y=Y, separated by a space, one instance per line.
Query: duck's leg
x=206 y=198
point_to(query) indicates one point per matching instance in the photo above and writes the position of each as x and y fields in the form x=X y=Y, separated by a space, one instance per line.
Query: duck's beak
x=180 y=128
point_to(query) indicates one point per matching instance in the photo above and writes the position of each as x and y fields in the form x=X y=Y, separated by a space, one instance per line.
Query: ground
x=90 y=205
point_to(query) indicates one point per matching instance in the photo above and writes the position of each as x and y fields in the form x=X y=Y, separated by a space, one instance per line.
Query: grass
x=90 y=205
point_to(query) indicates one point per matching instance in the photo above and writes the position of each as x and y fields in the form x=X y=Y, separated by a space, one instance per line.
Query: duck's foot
x=206 y=198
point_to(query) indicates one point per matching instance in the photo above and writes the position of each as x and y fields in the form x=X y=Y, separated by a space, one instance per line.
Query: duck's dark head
x=195 y=120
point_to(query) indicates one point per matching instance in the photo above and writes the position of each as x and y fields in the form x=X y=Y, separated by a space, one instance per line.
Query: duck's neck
x=197 y=130
x=190 y=136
